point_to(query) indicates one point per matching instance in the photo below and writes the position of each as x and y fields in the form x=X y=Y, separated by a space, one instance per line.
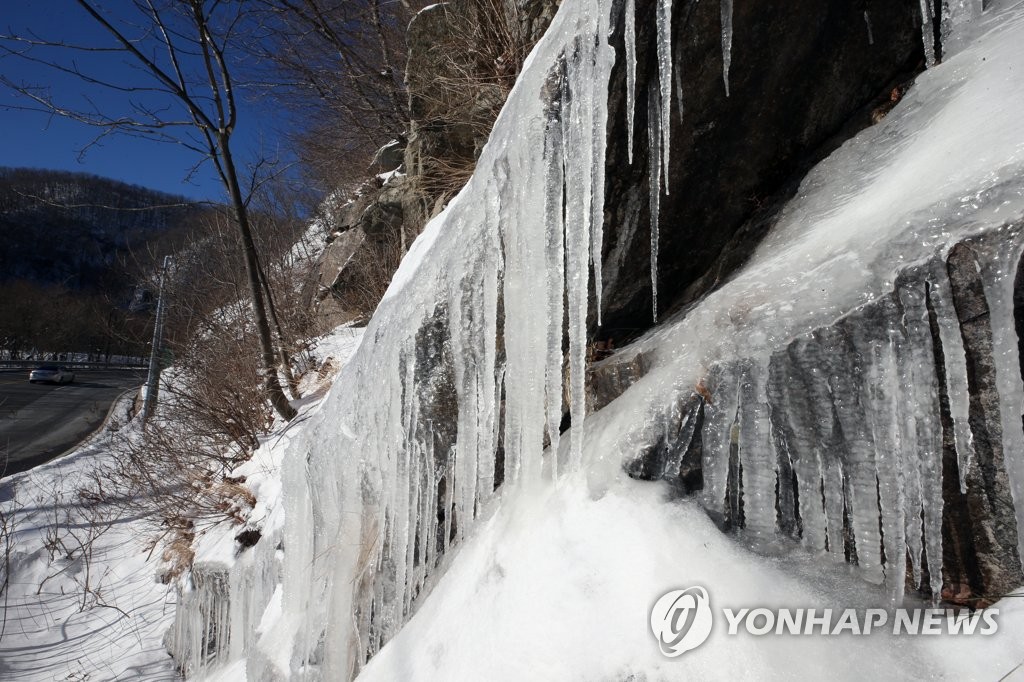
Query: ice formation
x=471 y=333
x=726 y=6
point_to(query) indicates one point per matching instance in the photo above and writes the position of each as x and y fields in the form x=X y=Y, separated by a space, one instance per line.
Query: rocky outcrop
x=463 y=61
x=805 y=75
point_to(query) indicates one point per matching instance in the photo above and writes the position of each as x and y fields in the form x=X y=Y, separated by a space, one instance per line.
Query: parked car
x=51 y=374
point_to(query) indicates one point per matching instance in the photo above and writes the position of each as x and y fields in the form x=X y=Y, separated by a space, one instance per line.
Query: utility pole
x=153 y=380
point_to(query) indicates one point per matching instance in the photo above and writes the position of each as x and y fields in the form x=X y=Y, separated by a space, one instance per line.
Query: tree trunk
x=269 y=366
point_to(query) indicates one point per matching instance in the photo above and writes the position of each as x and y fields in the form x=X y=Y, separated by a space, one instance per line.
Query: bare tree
x=341 y=65
x=184 y=50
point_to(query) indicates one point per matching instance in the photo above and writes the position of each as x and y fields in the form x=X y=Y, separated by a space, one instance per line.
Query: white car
x=51 y=374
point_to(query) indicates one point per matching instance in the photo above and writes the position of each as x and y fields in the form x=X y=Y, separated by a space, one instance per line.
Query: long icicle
x=654 y=153
x=630 y=38
x=664 y=26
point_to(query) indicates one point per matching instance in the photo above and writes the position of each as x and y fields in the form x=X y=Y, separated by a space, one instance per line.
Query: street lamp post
x=153 y=379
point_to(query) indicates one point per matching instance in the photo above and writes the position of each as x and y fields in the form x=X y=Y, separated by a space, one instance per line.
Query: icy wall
x=878 y=439
x=458 y=385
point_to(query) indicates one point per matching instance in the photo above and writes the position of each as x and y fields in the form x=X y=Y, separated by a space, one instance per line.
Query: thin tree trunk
x=269 y=365
x=286 y=365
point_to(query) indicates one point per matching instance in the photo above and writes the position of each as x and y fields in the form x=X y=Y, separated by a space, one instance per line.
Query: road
x=40 y=421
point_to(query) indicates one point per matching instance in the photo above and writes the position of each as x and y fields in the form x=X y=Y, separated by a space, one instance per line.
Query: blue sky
x=41 y=141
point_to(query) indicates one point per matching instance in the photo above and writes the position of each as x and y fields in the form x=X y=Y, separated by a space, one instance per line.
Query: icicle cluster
x=952 y=21
x=837 y=438
x=659 y=114
x=387 y=499
x=201 y=634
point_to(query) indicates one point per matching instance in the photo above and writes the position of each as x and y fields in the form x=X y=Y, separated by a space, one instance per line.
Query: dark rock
x=389 y=157
x=248 y=537
x=608 y=379
x=980 y=527
x=803 y=78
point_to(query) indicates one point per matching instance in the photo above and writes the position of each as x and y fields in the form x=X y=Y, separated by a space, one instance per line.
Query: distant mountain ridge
x=82 y=231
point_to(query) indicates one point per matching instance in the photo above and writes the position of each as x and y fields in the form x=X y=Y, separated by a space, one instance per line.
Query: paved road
x=40 y=421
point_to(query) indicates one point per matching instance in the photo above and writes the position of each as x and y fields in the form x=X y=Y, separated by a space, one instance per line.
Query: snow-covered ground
x=82 y=600
x=559 y=585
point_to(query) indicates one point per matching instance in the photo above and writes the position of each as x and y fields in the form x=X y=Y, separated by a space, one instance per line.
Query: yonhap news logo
x=681 y=621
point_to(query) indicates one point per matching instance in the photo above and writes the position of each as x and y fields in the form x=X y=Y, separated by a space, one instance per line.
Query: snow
x=93 y=609
x=558 y=586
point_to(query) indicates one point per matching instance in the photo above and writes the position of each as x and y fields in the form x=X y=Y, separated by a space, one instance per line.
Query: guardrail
x=29 y=364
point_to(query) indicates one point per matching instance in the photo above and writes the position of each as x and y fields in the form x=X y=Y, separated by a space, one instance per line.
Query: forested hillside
x=76 y=251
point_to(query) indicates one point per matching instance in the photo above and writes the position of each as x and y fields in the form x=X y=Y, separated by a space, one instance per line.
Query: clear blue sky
x=40 y=141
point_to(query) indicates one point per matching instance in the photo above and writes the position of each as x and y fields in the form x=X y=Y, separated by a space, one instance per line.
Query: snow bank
x=559 y=586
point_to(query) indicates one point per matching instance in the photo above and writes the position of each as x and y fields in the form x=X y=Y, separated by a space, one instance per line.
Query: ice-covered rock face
x=877 y=440
x=377 y=491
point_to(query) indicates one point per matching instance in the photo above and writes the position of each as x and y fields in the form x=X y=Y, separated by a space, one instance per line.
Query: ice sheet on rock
x=1004 y=250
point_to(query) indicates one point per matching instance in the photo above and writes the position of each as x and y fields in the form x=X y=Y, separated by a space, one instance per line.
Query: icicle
x=577 y=132
x=792 y=415
x=654 y=170
x=664 y=30
x=485 y=371
x=553 y=208
x=927 y=34
x=881 y=397
x=955 y=360
x=677 y=73
x=845 y=346
x=726 y=8
x=604 y=59
x=448 y=496
x=908 y=448
x=821 y=471
x=630 y=38
x=924 y=403
x=756 y=453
